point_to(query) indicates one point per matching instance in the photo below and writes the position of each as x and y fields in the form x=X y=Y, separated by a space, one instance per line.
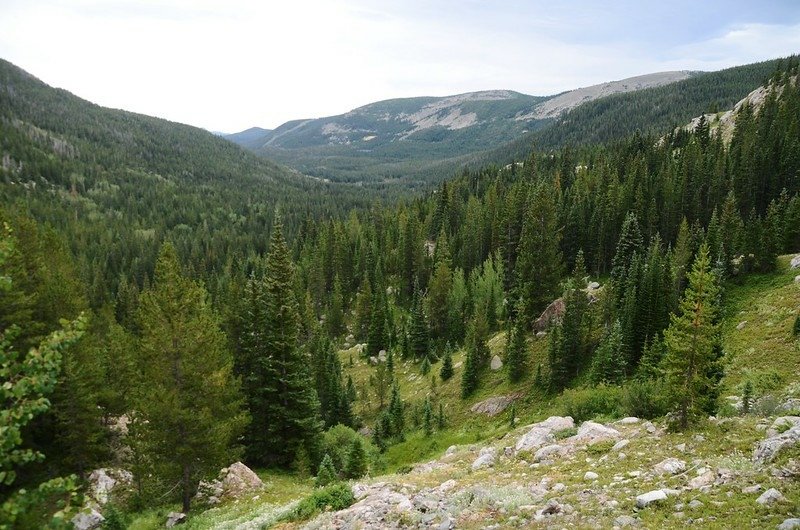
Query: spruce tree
x=691 y=343
x=609 y=363
x=418 y=331
x=189 y=399
x=747 y=396
x=278 y=382
x=396 y=414
x=447 y=366
x=425 y=368
x=427 y=418
x=440 y=421
x=327 y=472
x=469 y=377
x=630 y=243
x=356 y=466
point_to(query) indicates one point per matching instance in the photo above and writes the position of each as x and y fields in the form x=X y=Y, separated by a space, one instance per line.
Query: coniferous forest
x=172 y=304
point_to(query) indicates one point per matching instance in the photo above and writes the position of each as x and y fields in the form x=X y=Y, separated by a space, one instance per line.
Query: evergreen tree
x=608 y=365
x=425 y=368
x=418 y=332
x=691 y=341
x=515 y=354
x=747 y=396
x=327 y=473
x=427 y=418
x=512 y=416
x=190 y=399
x=469 y=377
x=277 y=378
x=447 y=365
x=335 y=316
x=356 y=466
x=396 y=414
x=630 y=243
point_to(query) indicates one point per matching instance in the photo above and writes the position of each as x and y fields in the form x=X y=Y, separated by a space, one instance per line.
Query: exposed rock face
x=541 y=433
x=494 y=405
x=88 y=520
x=232 y=483
x=103 y=484
x=552 y=314
x=768 y=449
x=782 y=424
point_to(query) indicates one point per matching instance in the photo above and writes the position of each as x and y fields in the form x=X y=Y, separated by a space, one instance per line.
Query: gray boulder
x=782 y=424
x=541 y=433
x=789 y=524
x=232 y=482
x=768 y=449
x=770 y=496
x=496 y=364
x=651 y=497
x=670 y=466
x=590 y=432
x=89 y=520
x=175 y=518
x=548 y=451
x=485 y=459
x=795 y=263
x=494 y=405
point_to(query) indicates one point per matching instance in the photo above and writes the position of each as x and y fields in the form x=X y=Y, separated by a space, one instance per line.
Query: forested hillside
x=172 y=304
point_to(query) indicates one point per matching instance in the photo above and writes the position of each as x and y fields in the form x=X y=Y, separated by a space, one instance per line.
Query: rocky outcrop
x=232 y=483
x=551 y=315
x=541 y=433
x=103 y=485
x=768 y=449
x=795 y=263
x=590 y=433
x=495 y=405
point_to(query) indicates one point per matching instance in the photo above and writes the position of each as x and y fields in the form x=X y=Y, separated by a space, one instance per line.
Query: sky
x=228 y=65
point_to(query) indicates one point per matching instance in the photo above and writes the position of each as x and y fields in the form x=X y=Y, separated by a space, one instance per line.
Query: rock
x=624 y=521
x=494 y=405
x=790 y=404
x=796 y=280
x=175 y=518
x=365 y=431
x=740 y=326
x=541 y=333
x=373 y=361
x=788 y=524
x=233 y=482
x=646 y=499
x=542 y=433
x=630 y=420
x=88 y=520
x=706 y=479
x=670 y=466
x=695 y=504
x=593 y=286
x=649 y=427
x=681 y=448
x=768 y=449
x=486 y=459
x=547 y=451
x=590 y=433
x=496 y=364
x=620 y=445
x=590 y=475
x=552 y=314
x=447 y=485
x=453 y=449
x=770 y=496
x=551 y=508
x=103 y=482
x=751 y=490
x=559 y=487
x=795 y=263
x=782 y=424
x=382 y=356
x=447 y=524
x=670 y=492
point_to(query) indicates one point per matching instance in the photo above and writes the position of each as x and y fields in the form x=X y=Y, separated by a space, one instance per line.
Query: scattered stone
x=797 y=280
x=551 y=508
x=699 y=438
x=706 y=479
x=670 y=466
x=649 y=427
x=382 y=356
x=496 y=364
x=494 y=405
x=233 y=482
x=681 y=448
x=590 y=475
x=646 y=499
x=541 y=333
x=626 y=520
x=634 y=474
x=770 y=496
x=670 y=492
x=373 y=361
x=559 y=487
x=750 y=490
x=451 y=450
x=447 y=524
x=790 y=404
x=552 y=314
x=620 y=445
x=486 y=458
x=795 y=263
x=789 y=524
x=88 y=520
x=630 y=420
x=175 y=518
x=782 y=424
x=593 y=286
x=695 y=504
x=447 y=485
x=740 y=326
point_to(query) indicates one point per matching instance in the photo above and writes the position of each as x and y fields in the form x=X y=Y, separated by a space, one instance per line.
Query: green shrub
x=565 y=433
x=644 y=399
x=588 y=403
x=338 y=442
x=331 y=498
x=114 y=518
x=601 y=447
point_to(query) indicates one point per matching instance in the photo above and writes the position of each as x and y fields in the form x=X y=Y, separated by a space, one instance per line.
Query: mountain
x=401 y=137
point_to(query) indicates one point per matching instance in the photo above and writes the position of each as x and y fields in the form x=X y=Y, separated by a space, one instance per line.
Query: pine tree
x=396 y=414
x=609 y=364
x=469 y=377
x=327 y=473
x=335 y=316
x=418 y=331
x=190 y=399
x=691 y=341
x=515 y=354
x=427 y=418
x=356 y=466
x=512 y=416
x=440 y=421
x=447 y=365
x=425 y=368
x=630 y=243
x=747 y=396
x=277 y=381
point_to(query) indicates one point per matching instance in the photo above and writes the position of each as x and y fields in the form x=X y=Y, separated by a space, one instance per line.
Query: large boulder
x=232 y=483
x=551 y=315
x=795 y=263
x=590 y=433
x=175 y=518
x=496 y=363
x=670 y=466
x=541 y=433
x=88 y=520
x=782 y=424
x=105 y=482
x=768 y=449
x=651 y=497
x=486 y=458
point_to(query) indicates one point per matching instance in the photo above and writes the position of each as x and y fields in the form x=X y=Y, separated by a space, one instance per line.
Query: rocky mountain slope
x=395 y=137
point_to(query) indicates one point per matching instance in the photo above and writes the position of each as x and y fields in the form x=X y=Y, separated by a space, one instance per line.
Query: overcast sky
x=231 y=64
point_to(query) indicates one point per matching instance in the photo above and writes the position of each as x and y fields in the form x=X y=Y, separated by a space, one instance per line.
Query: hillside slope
x=400 y=137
